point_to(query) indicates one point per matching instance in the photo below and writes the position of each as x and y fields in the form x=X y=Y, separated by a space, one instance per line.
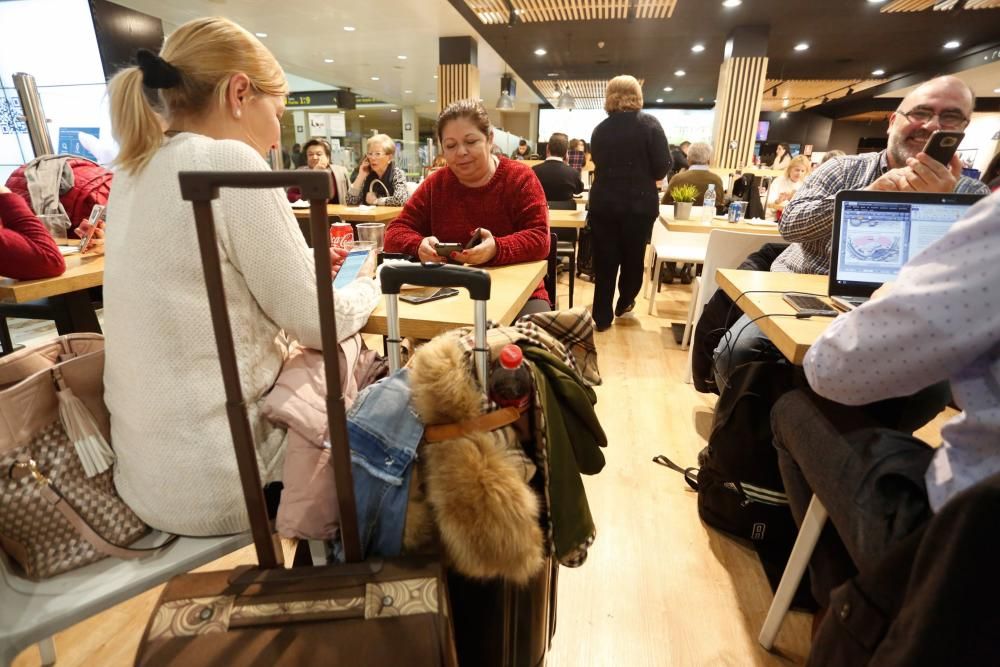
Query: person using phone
x=478 y=195
x=27 y=250
x=378 y=181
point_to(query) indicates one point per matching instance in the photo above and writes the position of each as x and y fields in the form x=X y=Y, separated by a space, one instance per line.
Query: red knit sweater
x=512 y=206
x=27 y=250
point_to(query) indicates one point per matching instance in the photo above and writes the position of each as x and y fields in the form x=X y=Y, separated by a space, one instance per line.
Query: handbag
x=58 y=507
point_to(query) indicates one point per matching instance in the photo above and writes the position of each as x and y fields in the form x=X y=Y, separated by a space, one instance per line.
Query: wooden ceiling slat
x=809 y=91
x=937 y=5
x=495 y=12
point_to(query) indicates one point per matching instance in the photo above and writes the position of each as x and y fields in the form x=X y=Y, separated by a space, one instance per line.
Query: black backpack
x=739 y=486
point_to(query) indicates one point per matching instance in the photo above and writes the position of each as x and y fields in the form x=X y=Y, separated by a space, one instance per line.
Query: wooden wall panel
x=457 y=82
x=741 y=82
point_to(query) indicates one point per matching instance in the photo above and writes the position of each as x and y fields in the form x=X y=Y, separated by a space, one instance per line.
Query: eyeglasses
x=376 y=154
x=946 y=119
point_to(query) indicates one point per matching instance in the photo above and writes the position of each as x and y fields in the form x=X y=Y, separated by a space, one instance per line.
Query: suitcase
x=497 y=623
x=364 y=612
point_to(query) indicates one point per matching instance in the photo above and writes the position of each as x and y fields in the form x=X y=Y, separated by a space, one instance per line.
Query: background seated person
x=785 y=186
x=175 y=465
x=522 y=151
x=697 y=174
x=378 y=181
x=498 y=196
x=576 y=158
x=318 y=156
x=559 y=180
x=27 y=250
x=782 y=157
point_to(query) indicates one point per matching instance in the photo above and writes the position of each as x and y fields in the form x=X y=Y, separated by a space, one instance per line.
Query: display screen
x=763 y=127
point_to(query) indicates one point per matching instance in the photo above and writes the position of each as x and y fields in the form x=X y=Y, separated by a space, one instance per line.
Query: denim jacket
x=384 y=433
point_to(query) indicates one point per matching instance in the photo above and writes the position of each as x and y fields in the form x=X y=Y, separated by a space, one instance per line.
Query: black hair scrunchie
x=157 y=72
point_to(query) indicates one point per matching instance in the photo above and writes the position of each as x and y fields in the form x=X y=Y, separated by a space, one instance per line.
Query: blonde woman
x=377 y=181
x=630 y=154
x=221 y=94
x=785 y=186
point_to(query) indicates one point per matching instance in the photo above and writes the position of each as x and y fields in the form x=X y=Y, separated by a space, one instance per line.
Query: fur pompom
x=442 y=384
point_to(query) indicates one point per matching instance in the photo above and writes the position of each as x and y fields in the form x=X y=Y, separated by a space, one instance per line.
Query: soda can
x=341 y=233
x=736 y=211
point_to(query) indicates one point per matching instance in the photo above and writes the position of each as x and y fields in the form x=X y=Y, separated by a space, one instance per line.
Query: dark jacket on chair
x=559 y=180
x=630 y=153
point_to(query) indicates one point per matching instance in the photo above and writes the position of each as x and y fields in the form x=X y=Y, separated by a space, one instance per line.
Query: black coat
x=559 y=180
x=630 y=154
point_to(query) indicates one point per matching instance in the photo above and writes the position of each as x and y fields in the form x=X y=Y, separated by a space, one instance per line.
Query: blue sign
x=70 y=142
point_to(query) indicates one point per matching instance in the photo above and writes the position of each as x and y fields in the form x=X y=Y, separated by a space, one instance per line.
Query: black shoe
x=619 y=311
x=601 y=327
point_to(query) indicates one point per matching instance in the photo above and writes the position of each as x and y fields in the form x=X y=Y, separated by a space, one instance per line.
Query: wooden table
x=356 y=213
x=791 y=336
x=82 y=272
x=511 y=287
x=568 y=219
x=695 y=224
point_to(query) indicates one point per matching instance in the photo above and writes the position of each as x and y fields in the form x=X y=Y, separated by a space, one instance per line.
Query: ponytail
x=136 y=127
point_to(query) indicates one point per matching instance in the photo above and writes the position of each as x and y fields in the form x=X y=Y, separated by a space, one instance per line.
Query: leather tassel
x=94 y=451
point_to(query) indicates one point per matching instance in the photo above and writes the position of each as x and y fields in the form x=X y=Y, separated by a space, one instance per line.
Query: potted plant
x=683 y=196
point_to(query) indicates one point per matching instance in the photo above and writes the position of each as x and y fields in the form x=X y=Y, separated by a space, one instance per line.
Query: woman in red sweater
x=500 y=197
x=27 y=250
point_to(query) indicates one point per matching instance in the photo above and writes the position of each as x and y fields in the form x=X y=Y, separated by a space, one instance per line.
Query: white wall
x=679 y=124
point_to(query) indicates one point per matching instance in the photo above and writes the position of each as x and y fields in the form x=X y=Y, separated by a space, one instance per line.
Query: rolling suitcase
x=364 y=612
x=497 y=623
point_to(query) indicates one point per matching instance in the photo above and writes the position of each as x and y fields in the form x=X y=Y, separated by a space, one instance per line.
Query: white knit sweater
x=163 y=385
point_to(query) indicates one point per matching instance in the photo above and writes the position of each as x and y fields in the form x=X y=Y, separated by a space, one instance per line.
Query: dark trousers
x=869 y=476
x=619 y=247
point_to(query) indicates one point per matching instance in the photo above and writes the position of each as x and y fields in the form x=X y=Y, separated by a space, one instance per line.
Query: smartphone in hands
x=477 y=238
x=942 y=144
x=96 y=216
x=445 y=249
x=351 y=267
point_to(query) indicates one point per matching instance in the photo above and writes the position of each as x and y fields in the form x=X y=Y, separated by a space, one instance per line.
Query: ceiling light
x=680 y=72
x=953 y=44
x=878 y=72
x=659 y=100
x=732 y=3
x=435 y=76
x=553 y=74
x=826 y=99
x=698 y=48
x=850 y=91
x=783 y=115
x=505 y=101
x=349 y=28
x=540 y=52
x=668 y=89
x=876 y=2
x=784 y=102
x=407 y=92
x=996 y=90
x=431 y=101
x=374 y=78
x=774 y=92
x=261 y=34
x=401 y=57
x=328 y=60
x=801 y=46
x=361 y=115
x=394 y=110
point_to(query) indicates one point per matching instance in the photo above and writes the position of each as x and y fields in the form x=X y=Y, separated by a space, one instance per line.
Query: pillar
x=737 y=106
x=458 y=70
x=411 y=133
x=533 y=128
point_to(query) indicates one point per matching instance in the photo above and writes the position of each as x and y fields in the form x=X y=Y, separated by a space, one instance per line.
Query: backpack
x=585 y=253
x=740 y=491
x=91 y=186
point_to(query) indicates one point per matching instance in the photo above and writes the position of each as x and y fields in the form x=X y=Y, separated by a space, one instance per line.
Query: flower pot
x=682 y=210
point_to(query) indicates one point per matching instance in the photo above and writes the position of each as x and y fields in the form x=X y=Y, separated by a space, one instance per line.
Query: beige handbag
x=58 y=506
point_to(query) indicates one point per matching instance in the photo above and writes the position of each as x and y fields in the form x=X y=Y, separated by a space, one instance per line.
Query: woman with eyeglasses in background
x=378 y=181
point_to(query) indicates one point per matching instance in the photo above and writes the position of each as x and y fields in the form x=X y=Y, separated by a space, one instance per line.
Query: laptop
x=876 y=233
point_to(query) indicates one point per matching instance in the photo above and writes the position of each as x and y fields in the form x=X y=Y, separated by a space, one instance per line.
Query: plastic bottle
x=708 y=205
x=510 y=379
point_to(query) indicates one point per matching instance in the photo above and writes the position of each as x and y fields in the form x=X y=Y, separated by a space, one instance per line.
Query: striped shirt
x=807 y=220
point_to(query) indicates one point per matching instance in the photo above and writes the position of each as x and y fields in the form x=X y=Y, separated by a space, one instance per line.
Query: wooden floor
x=658 y=588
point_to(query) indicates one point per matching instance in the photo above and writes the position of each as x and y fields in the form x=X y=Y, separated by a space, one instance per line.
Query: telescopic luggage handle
x=430 y=274
x=200 y=188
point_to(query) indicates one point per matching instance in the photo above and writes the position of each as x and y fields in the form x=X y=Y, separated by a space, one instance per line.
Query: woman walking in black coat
x=630 y=154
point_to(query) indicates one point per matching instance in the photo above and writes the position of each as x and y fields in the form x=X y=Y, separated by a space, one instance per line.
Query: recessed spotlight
x=996 y=90
x=784 y=102
x=407 y=92
x=432 y=101
x=540 y=52
x=394 y=110
x=361 y=115
x=783 y=115
x=659 y=100
x=668 y=89
x=435 y=76
x=261 y=34
x=878 y=72
x=374 y=78
x=801 y=46
x=328 y=60
x=401 y=57
x=349 y=28
x=553 y=74
x=876 y=2
x=953 y=44
x=679 y=72
x=732 y=3
x=698 y=48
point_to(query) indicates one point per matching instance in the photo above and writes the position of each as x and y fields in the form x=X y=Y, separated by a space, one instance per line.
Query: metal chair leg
x=47 y=651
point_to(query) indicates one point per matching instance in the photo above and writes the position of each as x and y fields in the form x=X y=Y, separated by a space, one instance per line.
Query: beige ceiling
x=497 y=12
x=983 y=80
x=789 y=95
x=302 y=34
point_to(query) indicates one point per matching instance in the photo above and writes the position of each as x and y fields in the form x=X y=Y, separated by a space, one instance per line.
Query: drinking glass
x=373 y=232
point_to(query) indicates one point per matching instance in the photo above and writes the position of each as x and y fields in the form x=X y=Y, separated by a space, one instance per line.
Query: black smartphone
x=942 y=144
x=809 y=305
x=445 y=249
x=428 y=294
x=476 y=239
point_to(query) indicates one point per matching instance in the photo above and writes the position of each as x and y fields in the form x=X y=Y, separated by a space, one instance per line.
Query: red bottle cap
x=511 y=356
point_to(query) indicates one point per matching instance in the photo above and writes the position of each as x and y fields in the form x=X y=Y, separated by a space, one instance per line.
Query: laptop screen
x=876 y=233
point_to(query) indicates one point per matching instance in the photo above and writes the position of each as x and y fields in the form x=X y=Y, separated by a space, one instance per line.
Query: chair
x=550 y=277
x=411 y=187
x=567 y=242
x=33 y=612
x=726 y=250
x=667 y=246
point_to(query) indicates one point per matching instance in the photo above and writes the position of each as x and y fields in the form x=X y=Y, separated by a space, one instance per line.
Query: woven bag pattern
x=50 y=544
